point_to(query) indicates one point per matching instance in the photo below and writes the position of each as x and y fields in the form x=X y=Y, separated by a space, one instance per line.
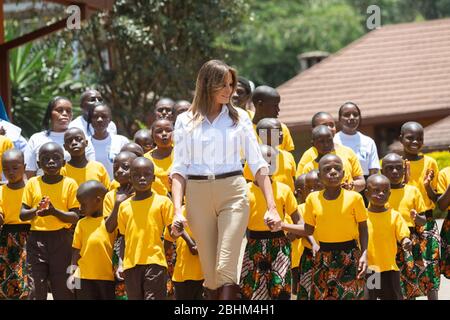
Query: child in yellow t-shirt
x=187 y=274
x=50 y=203
x=162 y=158
x=14 y=282
x=143 y=137
x=111 y=203
x=322 y=140
x=79 y=167
x=423 y=173
x=266 y=267
x=92 y=247
x=336 y=216
x=444 y=205
x=284 y=172
x=407 y=200
x=142 y=220
x=266 y=101
x=386 y=228
x=309 y=245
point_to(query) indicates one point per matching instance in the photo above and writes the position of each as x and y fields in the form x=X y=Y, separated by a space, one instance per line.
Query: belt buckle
x=211 y=176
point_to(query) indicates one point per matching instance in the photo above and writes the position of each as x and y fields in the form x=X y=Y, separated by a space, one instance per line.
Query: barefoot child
x=142 y=219
x=49 y=203
x=407 y=200
x=266 y=268
x=386 y=228
x=79 y=168
x=14 y=282
x=92 y=246
x=423 y=175
x=337 y=216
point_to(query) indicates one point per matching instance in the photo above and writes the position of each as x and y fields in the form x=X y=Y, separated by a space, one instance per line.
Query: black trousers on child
x=387 y=288
x=96 y=290
x=48 y=255
x=189 y=290
x=146 y=282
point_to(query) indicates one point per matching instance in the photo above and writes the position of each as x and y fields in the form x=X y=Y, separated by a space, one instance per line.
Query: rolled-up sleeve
x=180 y=150
x=250 y=145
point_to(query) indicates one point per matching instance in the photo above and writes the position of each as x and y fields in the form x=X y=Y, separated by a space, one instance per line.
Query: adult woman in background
x=207 y=170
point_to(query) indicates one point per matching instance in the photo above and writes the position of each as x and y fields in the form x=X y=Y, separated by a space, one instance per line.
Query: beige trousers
x=217 y=213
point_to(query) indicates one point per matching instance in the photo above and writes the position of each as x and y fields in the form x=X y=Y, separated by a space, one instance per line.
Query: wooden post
x=5 y=91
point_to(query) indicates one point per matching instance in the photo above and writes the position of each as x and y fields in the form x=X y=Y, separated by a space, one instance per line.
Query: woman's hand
x=179 y=222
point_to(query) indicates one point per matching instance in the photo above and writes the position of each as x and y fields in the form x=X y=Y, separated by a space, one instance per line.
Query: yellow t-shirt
x=11 y=204
x=418 y=170
x=385 y=230
x=404 y=200
x=443 y=181
x=335 y=220
x=142 y=223
x=297 y=245
x=93 y=171
x=108 y=202
x=161 y=184
x=5 y=144
x=284 y=200
x=345 y=153
x=63 y=196
x=114 y=185
x=96 y=249
x=187 y=266
x=284 y=171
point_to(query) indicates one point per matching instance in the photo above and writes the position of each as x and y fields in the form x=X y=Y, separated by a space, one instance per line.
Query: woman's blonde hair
x=210 y=79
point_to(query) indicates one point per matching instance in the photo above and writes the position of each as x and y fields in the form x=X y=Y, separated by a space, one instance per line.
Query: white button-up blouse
x=214 y=148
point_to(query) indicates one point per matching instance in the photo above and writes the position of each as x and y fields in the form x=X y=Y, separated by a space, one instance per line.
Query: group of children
x=83 y=231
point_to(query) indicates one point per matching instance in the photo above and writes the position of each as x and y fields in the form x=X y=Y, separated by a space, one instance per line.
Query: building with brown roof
x=395 y=74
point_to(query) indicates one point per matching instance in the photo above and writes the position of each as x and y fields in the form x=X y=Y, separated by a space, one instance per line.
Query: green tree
x=157 y=48
x=274 y=33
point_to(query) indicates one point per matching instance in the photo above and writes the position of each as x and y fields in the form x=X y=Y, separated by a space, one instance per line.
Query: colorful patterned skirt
x=445 y=247
x=306 y=269
x=335 y=273
x=411 y=266
x=121 y=293
x=14 y=280
x=430 y=243
x=266 y=268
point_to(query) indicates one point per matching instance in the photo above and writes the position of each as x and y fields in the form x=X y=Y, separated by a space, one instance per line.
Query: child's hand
x=362 y=265
x=124 y=193
x=413 y=214
x=429 y=176
x=45 y=207
x=193 y=249
x=315 y=249
x=119 y=271
x=406 y=244
x=348 y=186
x=291 y=236
x=178 y=223
x=2 y=219
x=272 y=220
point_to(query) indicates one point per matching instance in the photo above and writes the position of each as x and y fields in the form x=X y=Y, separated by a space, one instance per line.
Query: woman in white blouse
x=209 y=141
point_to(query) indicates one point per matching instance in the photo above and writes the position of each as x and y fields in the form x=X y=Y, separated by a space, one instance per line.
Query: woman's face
x=223 y=95
x=349 y=119
x=61 y=115
x=101 y=117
